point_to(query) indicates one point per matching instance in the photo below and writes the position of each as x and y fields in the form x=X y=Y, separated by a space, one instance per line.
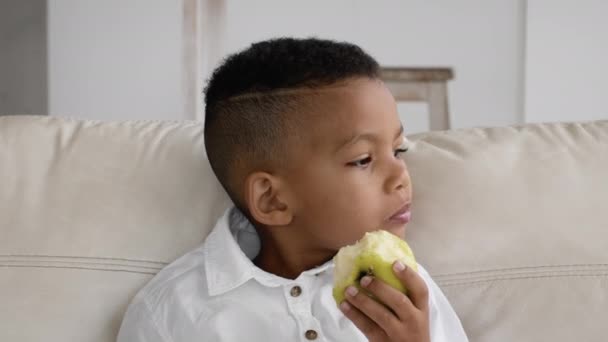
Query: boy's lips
x=402 y=216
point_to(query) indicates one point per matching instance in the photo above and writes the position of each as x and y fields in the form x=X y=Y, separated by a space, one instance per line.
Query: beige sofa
x=511 y=222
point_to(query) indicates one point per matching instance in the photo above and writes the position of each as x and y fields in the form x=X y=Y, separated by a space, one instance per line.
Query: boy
x=306 y=140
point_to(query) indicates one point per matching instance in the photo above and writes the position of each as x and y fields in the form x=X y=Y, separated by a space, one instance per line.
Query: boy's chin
x=397 y=229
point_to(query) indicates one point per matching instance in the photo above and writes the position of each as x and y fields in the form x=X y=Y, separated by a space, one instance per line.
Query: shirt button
x=295 y=291
x=311 y=334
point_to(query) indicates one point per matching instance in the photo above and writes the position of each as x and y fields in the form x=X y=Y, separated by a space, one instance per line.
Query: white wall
x=23 y=83
x=116 y=59
x=514 y=60
x=566 y=60
x=481 y=39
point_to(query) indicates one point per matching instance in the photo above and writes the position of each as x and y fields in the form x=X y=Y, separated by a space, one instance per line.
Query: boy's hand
x=409 y=319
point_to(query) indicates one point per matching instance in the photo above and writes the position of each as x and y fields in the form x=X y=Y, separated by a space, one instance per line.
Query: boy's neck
x=290 y=262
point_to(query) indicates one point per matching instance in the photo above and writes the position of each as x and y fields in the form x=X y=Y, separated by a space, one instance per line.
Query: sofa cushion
x=512 y=222
x=90 y=212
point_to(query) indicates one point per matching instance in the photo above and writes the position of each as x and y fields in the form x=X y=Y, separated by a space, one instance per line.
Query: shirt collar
x=228 y=252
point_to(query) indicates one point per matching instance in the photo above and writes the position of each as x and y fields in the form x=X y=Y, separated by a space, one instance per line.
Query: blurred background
x=512 y=61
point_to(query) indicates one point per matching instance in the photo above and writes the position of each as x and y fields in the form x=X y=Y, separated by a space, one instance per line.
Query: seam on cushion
x=80 y=257
x=73 y=263
x=79 y=268
x=519 y=274
x=487 y=281
x=601 y=265
x=531 y=272
x=83 y=263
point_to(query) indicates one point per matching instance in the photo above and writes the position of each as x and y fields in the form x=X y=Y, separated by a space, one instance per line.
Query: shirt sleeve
x=444 y=323
x=138 y=325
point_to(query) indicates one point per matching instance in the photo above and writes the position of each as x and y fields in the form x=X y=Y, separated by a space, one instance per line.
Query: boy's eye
x=363 y=162
x=400 y=151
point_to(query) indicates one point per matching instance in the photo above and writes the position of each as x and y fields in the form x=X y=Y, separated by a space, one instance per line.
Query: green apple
x=373 y=255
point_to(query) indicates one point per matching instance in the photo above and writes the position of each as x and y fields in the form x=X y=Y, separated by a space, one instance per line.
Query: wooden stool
x=422 y=84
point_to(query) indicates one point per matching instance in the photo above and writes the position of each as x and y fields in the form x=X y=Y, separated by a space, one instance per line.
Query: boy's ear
x=267 y=200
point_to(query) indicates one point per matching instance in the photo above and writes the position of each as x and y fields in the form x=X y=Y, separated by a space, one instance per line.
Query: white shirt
x=216 y=293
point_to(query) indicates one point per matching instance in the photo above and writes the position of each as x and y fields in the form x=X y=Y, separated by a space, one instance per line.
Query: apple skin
x=373 y=255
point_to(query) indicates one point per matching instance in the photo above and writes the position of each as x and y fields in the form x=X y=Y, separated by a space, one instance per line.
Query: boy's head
x=306 y=139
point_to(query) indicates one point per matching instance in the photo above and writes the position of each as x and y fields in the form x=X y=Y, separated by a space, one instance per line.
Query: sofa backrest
x=90 y=211
x=511 y=222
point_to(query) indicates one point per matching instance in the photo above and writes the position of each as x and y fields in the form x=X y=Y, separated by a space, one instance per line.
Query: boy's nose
x=399 y=177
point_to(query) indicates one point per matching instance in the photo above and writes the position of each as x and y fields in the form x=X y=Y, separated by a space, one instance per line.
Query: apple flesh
x=373 y=255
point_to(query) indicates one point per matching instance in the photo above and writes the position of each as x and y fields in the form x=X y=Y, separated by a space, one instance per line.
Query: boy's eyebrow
x=365 y=136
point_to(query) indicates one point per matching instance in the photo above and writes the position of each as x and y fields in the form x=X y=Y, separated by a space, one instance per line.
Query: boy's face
x=346 y=176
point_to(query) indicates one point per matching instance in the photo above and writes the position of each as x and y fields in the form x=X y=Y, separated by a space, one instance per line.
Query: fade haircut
x=255 y=99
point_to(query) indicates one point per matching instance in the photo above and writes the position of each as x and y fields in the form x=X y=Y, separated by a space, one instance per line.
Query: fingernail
x=398 y=266
x=366 y=281
x=344 y=306
x=351 y=291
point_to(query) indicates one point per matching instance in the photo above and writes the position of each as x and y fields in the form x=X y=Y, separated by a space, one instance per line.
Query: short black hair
x=249 y=109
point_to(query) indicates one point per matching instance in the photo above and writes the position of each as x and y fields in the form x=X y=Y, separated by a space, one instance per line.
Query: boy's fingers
x=382 y=316
x=365 y=324
x=417 y=290
x=401 y=305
